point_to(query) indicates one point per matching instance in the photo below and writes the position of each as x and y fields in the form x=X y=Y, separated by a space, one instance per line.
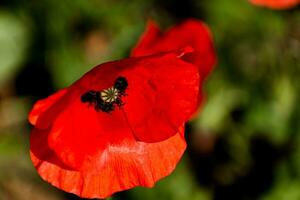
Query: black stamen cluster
x=93 y=97
x=121 y=85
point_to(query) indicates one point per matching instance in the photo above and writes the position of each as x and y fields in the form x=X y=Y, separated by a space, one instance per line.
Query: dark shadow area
x=255 y=182
x=180 y=9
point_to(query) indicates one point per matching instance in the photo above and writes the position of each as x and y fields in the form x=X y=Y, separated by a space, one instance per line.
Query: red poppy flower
x=119 y=126
x=191 y=32
x=276 y=4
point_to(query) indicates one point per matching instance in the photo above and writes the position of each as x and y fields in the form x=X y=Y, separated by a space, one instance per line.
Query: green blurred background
x=245 y=144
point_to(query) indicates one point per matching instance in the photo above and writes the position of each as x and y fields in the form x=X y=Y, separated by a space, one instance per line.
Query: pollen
x=109 y=95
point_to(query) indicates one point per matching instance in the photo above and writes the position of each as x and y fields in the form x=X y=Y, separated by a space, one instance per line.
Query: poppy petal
x=168 y=99
x=276 y=4
x=162 y=94
x=151 y=34
x=191 y=32
x=43 y=105
x=115 y=168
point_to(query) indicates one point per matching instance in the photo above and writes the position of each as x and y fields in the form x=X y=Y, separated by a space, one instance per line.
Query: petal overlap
x=191 y=32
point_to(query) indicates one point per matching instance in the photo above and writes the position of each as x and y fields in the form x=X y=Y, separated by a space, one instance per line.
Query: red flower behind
x=276 y=4
x=119 y=126
x=191 y=32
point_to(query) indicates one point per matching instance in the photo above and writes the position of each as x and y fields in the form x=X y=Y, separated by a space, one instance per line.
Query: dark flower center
x=106 y=100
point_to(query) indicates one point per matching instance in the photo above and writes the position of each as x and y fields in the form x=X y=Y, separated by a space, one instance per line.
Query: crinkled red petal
x=162 y=94
x=116 y=167
x=191 y=32
x=276 y=4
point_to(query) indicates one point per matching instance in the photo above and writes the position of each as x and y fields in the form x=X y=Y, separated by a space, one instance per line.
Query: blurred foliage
x=245 y=144
x=13 y=40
